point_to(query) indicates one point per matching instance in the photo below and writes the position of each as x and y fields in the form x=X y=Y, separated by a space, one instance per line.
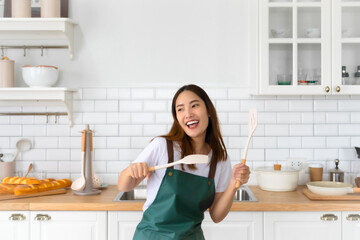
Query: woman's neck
x=200 y=146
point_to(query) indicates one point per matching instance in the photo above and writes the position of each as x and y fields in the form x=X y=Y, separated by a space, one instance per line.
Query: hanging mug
x=6 y=73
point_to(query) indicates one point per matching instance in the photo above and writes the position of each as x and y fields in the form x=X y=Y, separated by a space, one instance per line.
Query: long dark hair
x=213 y=134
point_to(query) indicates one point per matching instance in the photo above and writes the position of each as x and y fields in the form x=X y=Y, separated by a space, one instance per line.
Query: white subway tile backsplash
x=107 y=106
x=289 y=118
x=338 y=117
x=34 y=130
x=325 y=105
x=142 y=93
x=301 y=105
x=45 y=142
x=130 y=106
x=94 y=118
x=317 y=128
x=277 y=106
x=83 y=106
x=326 y=130
x=154 y=130
x=118 y=142
x=155 y=106
x=130 y=130
x=58 y=154
x=10 y=130
x=94 y=93
x=289 y=142
x=313 y=142
x=124 y=93
x=301 y=130
x=276 y=130
x=112 y=93
x=58 y=130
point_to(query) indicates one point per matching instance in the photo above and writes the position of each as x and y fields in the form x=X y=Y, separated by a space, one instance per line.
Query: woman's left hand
x=241 y=173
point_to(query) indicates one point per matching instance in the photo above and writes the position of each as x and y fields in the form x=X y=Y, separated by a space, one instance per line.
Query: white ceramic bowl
x=40 y=76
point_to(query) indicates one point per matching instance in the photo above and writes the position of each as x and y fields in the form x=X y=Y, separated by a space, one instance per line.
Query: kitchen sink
x=243 y=194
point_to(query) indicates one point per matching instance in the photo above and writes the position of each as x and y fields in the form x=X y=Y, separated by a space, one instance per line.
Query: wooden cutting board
x=317 y=197
x=39 y=194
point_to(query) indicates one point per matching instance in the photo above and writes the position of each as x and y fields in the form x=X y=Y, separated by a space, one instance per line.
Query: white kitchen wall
x=319 y=129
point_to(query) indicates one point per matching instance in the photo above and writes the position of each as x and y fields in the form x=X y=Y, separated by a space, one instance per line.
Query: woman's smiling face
x=192 y=114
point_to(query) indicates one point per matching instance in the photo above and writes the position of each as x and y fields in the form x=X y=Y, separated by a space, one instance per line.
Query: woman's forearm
x=222 y=203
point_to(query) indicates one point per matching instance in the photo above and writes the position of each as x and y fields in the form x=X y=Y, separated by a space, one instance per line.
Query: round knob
x=327 y=89
x=337 y=89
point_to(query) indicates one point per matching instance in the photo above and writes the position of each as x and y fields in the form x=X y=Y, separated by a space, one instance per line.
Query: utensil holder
x=7 y=169
x=88 y=189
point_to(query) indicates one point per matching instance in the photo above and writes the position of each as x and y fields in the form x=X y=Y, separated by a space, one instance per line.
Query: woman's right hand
x=138 y=170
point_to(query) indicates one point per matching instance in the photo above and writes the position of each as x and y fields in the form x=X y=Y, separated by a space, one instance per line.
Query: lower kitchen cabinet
x=14 y=225
x=68 y=225
x=53 y=225
x=302 y=225
x=236 y=226
x=351 y=225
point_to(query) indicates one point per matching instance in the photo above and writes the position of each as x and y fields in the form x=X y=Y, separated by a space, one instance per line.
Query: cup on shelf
x=312 y=32
x=280 y=32
x=316 y=172
x=284 y=79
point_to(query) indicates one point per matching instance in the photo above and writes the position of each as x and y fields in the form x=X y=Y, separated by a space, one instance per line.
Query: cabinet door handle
x=327 y=89
x=17 y=217
x=329 y=217
x=353 y=217
x=337 y=89
x=42 y=217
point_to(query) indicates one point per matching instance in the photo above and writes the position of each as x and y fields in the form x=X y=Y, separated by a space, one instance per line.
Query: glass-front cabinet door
x=346 y=47
x=295 y=47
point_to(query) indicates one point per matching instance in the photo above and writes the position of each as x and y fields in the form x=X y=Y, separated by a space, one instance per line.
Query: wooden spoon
x=30 y=167
x=252 y=126
x=357 y=182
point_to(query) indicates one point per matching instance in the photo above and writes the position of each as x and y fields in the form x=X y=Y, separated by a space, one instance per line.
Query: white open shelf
x=51 y=96
x=38 y=29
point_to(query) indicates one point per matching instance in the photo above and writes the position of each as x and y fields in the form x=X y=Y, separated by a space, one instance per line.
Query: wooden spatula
x=252 y=126
x=190 y=159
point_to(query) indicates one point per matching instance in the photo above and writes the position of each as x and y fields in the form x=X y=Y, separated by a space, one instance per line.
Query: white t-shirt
x=156 y=154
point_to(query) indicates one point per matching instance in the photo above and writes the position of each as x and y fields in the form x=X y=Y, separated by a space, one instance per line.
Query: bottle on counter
x=357 y=76
x=345 y=76
x=336 y=175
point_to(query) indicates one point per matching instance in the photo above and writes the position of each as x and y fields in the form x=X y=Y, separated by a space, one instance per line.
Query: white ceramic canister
x=7 y=169
x=50 y=8
x=21 y=8
x=6 y=72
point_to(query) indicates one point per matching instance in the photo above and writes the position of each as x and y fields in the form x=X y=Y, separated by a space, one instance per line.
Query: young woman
x=177 y=197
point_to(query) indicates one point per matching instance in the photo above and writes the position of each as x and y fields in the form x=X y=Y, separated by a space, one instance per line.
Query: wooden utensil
x=251 y=126
x=190 y=159
x=79 y=184
x=30 y=167
x=357 y=182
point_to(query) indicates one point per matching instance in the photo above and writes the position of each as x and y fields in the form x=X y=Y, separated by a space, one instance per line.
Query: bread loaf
x=20 y=180
x=45 y=185
x=6 y=189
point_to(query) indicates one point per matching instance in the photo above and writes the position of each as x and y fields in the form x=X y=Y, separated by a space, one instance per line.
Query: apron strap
x=170 y=151
x=212 y=170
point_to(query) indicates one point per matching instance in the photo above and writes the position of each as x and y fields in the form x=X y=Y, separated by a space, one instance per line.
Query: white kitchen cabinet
x=305 y=43
x=69 y=225
x=350 y=225
x=14 y=225
x=302 y=225
x=236 y=226
x=122 y=224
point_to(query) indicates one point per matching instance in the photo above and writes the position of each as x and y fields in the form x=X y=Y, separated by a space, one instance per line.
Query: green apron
x=178 y=208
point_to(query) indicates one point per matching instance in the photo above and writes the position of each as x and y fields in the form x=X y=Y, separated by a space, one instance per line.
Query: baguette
x=6 y=189
x=45 y=185
x=20 y=180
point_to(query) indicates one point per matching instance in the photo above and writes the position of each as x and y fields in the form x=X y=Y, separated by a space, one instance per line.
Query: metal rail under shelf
x=42 y=47
x=47 y=114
